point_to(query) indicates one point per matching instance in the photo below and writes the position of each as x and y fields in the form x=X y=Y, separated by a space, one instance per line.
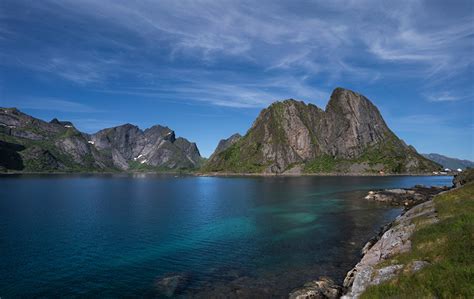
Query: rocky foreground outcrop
x=31 y=144
x=405 y=197
x=464 y=177
x=396 y=238
x=394 y=241
x=349 y=136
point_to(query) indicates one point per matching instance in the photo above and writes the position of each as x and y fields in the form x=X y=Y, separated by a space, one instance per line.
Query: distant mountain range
x=447 y=162
x=349 y=136
x=30 y=144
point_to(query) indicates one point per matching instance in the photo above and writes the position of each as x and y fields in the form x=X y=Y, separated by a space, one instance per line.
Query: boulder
x=319 y=289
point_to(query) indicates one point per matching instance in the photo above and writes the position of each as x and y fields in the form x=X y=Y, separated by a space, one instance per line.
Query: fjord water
x=117 y=235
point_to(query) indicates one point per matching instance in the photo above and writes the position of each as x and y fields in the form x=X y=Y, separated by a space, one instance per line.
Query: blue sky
x=206 y=68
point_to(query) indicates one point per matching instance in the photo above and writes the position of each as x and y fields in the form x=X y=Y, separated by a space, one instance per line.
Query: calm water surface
x=117 y=235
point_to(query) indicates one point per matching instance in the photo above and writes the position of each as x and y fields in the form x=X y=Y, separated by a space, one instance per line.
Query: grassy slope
x=448 y=245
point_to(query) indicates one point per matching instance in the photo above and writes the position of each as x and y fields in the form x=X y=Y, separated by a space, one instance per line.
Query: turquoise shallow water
x=116 y=235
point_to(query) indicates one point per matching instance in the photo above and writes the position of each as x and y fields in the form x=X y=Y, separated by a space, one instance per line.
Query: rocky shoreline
x=393 y=238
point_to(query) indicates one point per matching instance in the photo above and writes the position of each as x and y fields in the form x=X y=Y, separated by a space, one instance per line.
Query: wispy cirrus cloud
x=50 y=104
x=228 y=94
x=446 y=96
x=358 y=41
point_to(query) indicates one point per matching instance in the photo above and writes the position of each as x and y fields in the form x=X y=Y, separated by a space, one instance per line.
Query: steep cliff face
x=350 y=124
x=156 y=147
x=30 y=144
x=291 y=136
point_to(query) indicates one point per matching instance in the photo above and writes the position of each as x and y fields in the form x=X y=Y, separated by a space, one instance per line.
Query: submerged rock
x=322 y=288
x=172 y=284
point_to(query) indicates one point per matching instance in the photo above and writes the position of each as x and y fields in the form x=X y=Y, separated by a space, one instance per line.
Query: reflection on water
x=115 y=235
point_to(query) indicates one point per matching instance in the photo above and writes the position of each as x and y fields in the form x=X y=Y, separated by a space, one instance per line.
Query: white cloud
x=51 y=104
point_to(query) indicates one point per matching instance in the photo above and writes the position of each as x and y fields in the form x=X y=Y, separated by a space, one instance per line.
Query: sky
x=207 y=68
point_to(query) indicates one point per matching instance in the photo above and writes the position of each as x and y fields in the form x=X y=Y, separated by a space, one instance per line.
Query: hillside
x=447 y=162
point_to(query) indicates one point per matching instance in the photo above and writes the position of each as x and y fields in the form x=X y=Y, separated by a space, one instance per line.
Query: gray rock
x=322 y=288
x=394 y=241
x=417 y=265
x=405 y=197
x=385 y=274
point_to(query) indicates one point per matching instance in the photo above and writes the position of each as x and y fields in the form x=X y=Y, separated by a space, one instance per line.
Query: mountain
x=31 y=144
x=130 y=147
x=225 y=144
x=447 y=162
x=349 y=136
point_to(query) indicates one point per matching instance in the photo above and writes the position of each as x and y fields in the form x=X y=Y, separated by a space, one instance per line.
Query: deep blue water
x=116 y=235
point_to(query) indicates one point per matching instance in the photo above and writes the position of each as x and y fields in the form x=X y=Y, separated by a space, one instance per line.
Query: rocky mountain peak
x=156 y=146
x=345 y=100
x=158 y=131
x=293 y=134
x=66 y=124
x=353 y=123
x=225 y=144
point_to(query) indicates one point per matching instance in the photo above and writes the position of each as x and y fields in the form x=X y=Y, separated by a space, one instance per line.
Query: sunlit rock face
x=350 y=135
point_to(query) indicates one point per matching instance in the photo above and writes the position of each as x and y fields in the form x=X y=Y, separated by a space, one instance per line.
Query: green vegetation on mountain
x=350 y=136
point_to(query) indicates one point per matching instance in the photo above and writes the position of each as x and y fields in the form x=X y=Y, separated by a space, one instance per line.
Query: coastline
x=393 y=238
